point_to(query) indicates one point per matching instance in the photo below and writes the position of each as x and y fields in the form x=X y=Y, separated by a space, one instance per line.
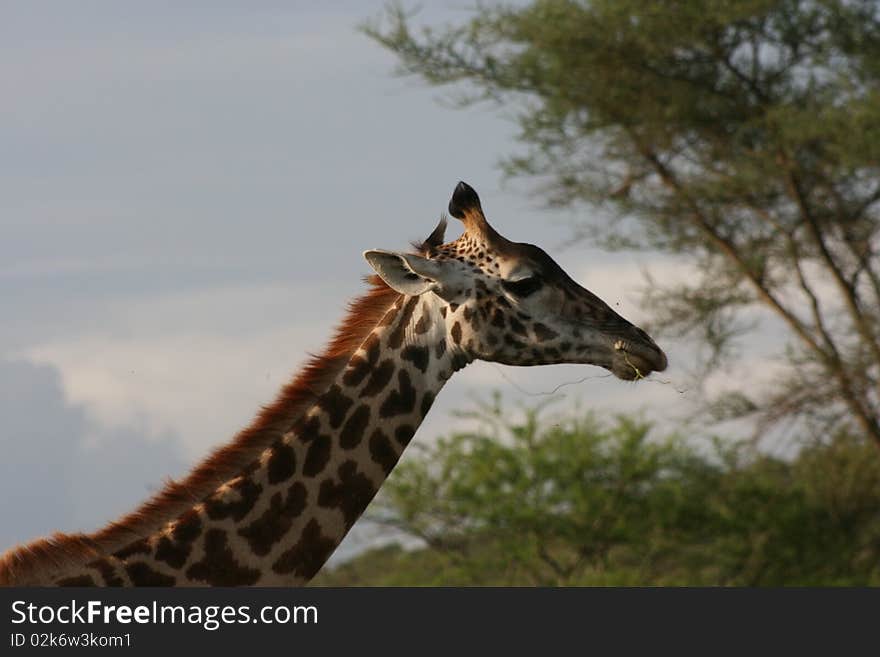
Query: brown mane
x=224 y=462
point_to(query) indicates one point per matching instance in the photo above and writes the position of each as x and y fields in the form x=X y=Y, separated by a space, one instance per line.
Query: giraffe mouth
x=633 y=361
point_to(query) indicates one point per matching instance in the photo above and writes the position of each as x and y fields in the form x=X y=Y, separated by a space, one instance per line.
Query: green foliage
x=743 y=136
x=576 y=502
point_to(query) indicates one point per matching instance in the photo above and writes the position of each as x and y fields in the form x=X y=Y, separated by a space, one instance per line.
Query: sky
x=186 y=190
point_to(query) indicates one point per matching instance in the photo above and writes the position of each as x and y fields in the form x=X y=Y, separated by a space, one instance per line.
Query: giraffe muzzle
x=636 y=359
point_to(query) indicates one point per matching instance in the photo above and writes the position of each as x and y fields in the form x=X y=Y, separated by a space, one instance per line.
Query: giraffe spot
x=440 y=349
x=543 y=332
x=372 y=347
x=248 y=492
x=359 y=367
x=317 y=456
x=388 y=318
x=501 y=301
x=513 y=342
x=268 y=529
x=458 y=362
x=307 y=556
x=79 y=580
x=424 y=322
x=380 y=378
x=141 y=574
x=518 y=327
x=218 y=566
x=468 y=313
x=175 y=549
x=498 y=320
x=418 y=356
x=108 y=572
x=351 y=495
x=140 y=546
x=395 y=339
x=427 y=402
x=171 y=553
x=399 y=401
x=308 y=427
x=354 y=428
x=335 y=404
x=282 y=462
x=188 y=527
x=357 y=370
x=453 y=307
x=456 y=333
x=443 y=311
x=383 y=451
x=404 y=433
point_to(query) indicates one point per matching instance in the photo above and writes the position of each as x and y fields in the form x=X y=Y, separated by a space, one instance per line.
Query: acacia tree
x=742 y=135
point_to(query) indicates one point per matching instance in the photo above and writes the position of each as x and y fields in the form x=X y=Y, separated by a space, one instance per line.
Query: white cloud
x=203 y=387
x=198 y=363
x=61 y=471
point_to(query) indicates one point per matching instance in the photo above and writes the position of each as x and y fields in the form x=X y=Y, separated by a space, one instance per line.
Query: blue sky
x=187 y=189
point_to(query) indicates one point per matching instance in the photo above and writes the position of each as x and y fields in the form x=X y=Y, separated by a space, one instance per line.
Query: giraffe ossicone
x=270 y=507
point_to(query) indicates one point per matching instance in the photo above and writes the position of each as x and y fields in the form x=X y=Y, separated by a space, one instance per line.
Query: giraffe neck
x=278 y=520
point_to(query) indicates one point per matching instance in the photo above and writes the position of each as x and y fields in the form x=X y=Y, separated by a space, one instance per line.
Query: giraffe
x=271 y=506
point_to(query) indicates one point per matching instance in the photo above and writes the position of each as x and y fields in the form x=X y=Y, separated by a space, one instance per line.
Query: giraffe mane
x=271 y=422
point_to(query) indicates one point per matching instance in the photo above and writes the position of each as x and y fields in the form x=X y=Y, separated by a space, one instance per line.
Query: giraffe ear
x=407 y=273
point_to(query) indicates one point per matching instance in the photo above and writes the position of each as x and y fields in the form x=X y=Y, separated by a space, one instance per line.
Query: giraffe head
x=509 y=302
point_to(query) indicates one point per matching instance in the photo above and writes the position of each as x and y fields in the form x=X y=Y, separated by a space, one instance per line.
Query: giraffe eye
x=524 y=286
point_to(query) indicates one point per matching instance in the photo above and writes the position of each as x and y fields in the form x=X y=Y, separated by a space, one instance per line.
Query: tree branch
x=867 y=420
x=850 y=295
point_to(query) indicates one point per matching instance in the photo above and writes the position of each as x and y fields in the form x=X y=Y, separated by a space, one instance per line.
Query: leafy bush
x=576 y=501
